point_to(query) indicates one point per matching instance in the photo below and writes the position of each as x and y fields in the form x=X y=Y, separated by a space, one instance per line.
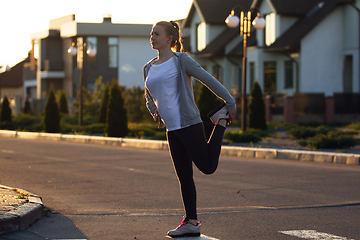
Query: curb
x=264 y=153
x=23 y=216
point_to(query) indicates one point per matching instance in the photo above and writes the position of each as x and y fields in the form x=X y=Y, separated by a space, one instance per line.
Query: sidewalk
x=20 y=209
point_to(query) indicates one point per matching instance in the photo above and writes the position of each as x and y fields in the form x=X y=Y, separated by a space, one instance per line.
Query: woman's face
x=158 y=38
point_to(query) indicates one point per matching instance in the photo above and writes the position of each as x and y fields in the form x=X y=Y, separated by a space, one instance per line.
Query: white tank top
x=162 y=81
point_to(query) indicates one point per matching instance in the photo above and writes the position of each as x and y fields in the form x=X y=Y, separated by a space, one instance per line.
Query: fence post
x=268 y=102
x=329 y=110
x=289 y=109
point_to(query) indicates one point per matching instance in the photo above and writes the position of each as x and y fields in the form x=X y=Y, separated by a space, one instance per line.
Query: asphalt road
x=102 y=192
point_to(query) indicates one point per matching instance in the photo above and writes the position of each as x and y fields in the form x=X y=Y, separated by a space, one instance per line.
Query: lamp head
x=232 y=20
x=259 y=23
x=72 y=50
x=91 y=52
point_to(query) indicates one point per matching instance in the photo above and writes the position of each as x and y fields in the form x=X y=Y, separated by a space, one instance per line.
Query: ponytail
x=173 y=29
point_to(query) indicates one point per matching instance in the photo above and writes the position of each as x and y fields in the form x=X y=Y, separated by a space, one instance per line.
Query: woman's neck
x=163 y=56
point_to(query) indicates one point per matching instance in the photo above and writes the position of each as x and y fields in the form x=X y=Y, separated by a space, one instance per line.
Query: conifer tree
x=27 y=107
x=104 y=104
x=116 y=118
x=63 y=103
x=206 y=102
x=52 y=114
x=5 y=113
x=134 y=102
x=257 y=117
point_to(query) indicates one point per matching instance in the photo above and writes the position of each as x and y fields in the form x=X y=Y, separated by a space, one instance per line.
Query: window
x=270 y=77
x=348 y=74
x=201 y=36
x=289 y=74
x=91 y=42
x=270 y=29
x=217 y=72
x=36 y=49
x=113 y=52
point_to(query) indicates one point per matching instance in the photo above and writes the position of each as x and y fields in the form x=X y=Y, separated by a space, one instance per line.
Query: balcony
x=52 y=69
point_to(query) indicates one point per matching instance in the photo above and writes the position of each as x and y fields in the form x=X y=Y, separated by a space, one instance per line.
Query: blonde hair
x=173 y=29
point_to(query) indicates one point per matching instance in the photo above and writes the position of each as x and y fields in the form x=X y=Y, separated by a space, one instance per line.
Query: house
x=308 y=48
x=12 y=84
x=121 y=51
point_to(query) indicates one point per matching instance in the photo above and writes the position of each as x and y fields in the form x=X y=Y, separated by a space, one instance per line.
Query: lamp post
x=81 y=52
x=245 y=30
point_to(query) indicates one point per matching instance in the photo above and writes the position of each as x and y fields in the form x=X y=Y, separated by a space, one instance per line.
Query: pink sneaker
x=219 y=113
x=185 y=229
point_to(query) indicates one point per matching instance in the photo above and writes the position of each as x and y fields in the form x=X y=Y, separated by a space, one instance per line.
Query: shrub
x=355 y=125
x=242 y=137
x=259 y=132
x=302 y=132
x=104 y=104
x=27 y=107
x=95 y=128
x=63 y=103
x=137 y=131
x=116 y=118
x=52 y=114
x=135 y=105
x=257 y=110
x=28 y=122
x=207 y=102
x=5 y=112
x=159 y=136
x=333 y=139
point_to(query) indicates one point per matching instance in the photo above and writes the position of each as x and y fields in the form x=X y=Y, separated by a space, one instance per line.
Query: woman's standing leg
x=184 y=171
x=189 y=145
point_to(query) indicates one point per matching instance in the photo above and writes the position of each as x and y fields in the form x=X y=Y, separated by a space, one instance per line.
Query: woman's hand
x=232 y=114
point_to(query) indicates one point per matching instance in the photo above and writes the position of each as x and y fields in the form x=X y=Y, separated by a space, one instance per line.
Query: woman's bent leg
x=204 y=154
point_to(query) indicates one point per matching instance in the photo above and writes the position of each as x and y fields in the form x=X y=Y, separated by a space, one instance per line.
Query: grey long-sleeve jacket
x=188 y=68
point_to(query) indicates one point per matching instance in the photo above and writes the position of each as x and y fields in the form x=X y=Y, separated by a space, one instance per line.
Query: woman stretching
x=170 y=98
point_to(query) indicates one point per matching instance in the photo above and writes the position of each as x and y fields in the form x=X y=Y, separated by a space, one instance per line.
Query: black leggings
x=189 y=145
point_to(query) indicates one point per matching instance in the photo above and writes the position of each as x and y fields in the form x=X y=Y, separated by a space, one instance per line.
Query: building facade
x=309 y=50
x=121 y=51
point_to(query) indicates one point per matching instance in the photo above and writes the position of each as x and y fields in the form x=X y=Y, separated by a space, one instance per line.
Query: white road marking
x=313 y=234
x=202 y=237
x=7 y=151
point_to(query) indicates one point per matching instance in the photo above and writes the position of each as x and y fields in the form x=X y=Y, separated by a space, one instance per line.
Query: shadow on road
x=52 y=226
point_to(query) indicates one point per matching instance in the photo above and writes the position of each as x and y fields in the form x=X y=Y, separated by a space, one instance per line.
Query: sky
x=20 y=18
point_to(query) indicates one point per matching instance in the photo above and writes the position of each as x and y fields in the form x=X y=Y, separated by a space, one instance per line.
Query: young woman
x=170 y=98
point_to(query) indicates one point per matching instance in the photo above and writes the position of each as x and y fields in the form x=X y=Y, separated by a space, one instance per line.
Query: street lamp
x=80 y=51
x=245 y=30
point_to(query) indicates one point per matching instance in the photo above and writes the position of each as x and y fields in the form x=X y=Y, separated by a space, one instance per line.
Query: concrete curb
x=23 y=216
x=265 y=153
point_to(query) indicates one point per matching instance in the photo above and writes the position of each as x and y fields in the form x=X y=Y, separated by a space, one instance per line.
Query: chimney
x=107 y=18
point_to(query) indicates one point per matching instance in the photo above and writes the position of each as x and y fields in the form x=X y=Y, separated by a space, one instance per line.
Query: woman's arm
x=193 y=69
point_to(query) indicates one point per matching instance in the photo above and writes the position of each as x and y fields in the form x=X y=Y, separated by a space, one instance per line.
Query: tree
x=99 y=88
x=206 y=102
x=5 y=113
x=91 y=99
x=27 y=107
x=116 y=118
x=135 y=104
x=104 y=104
x=63 y=103
x=257 y=118
x=52 y=114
